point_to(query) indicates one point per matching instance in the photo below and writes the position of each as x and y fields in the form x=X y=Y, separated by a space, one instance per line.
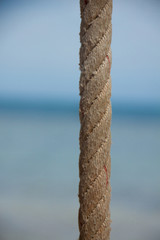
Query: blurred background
x=39 y=123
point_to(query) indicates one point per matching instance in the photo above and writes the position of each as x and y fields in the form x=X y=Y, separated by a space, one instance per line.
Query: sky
x=39 y=50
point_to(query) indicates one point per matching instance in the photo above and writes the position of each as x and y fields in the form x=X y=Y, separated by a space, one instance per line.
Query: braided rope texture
x=95 y=117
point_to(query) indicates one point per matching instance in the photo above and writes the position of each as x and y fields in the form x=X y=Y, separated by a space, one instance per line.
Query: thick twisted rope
x=95 y=118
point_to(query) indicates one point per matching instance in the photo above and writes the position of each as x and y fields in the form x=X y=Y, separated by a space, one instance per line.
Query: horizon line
x=70 y=106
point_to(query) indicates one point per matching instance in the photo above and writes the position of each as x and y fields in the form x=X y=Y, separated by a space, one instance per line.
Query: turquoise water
x=39 y=176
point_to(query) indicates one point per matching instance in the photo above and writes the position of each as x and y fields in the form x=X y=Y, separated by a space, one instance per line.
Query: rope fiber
x=95 y=117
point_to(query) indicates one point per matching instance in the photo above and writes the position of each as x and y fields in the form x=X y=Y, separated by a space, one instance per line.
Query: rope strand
x=95 y=116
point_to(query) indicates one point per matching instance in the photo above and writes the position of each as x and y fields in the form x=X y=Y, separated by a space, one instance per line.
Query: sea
x=39 y=152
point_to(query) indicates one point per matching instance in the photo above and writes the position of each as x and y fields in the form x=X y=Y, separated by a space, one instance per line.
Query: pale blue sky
x=39 y=47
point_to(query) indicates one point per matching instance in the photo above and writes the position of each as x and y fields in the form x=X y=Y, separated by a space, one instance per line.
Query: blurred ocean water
x=39 y=176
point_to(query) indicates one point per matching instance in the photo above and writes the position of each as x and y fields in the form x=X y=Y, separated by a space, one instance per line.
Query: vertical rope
x=95 y=117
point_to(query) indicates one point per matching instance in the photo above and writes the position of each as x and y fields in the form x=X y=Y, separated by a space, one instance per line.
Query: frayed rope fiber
x=95 y=117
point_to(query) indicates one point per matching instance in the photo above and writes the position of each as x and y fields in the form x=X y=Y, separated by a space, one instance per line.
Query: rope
x=95 y=117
